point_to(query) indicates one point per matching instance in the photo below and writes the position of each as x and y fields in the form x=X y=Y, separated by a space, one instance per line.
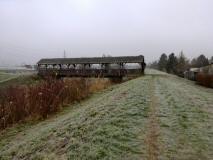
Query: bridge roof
x=93 y=60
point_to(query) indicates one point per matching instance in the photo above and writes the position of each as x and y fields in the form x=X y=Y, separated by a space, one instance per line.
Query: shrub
x=18 y=103
x=205 y=79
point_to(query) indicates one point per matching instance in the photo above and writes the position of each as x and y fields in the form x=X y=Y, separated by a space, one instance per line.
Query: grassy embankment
x=158 y=116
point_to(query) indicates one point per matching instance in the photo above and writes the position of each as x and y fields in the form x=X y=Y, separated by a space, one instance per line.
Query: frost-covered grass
x=109 y=125
x=114 y=124
x=185 y=119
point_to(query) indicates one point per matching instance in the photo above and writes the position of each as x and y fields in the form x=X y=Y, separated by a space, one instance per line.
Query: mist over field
x=35 y=29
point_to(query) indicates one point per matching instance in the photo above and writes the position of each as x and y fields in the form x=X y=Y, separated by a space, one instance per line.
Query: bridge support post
x=142 y=68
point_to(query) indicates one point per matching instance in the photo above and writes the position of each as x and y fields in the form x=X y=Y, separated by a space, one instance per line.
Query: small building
x=203 y=75
x=191 y=74
x=207 y=69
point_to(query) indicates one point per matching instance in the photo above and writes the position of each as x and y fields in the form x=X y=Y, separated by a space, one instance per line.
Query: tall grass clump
x=98 y=84
x=205 y=79
x=38 y=101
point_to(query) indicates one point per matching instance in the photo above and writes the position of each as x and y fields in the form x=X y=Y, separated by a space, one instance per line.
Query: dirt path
x=153 y=127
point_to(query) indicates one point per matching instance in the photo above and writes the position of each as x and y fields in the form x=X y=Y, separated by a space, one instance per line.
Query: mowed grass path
x=157 y=116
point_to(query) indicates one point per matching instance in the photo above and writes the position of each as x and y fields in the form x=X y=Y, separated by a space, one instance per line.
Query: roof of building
x=93 y=60
x=194 y=69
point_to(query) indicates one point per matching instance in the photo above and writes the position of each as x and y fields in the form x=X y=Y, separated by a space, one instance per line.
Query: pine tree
x=211 y=60
x=201 y=61
x=162 y=62
x=183 y=64
x=172 y=64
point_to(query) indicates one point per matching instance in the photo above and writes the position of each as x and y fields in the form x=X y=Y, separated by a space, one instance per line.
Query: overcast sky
x=34 y=29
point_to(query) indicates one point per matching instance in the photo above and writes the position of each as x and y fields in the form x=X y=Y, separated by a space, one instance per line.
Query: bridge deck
x=89 y=72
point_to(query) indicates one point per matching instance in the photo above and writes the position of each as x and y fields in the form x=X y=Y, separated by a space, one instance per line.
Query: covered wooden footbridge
x=91 y=67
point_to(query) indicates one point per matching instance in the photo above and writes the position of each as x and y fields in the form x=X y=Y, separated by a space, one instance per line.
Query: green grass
x=113 y=124
x=14 y=79
x=6 y=76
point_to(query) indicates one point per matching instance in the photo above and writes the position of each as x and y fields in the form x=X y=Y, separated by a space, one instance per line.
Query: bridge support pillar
x=142 y=68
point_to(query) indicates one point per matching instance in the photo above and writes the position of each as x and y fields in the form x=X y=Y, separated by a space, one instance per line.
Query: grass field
x=6 y=76
x=17 y=79
x=158 y=116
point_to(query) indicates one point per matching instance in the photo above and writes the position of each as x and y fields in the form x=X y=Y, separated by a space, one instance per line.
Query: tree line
x=178 y=64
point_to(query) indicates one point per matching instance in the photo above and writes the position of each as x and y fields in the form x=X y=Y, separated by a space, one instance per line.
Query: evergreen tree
x=193 y=62
x=172 y=64
x=201 y=61
x=183 y=64
x=162 y=62
x=211 y=60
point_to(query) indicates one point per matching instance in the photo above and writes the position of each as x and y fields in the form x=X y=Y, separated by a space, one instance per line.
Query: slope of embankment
x=157 y=116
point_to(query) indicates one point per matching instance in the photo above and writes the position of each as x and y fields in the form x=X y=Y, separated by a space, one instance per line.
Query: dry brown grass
x=18 y=103
x=98 y=84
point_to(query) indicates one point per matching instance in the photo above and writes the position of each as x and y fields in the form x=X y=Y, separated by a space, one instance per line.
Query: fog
x=35 y=29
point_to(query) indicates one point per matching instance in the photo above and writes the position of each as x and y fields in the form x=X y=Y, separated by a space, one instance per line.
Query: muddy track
x=152 y=134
